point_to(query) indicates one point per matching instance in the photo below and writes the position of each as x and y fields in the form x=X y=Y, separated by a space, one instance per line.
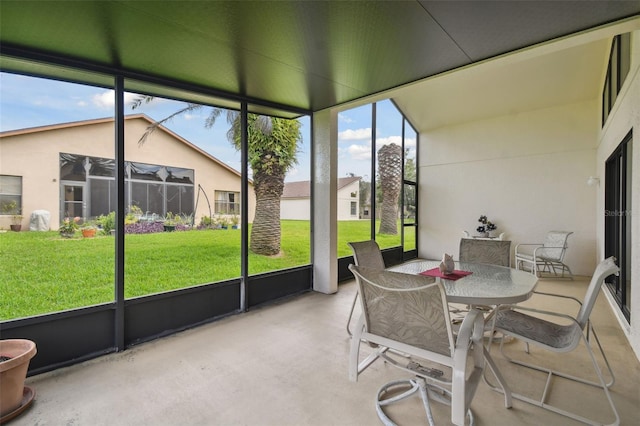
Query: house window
x=227 y=202
x=10 y=193
x=617 y=221
x=617 y=70
x=151 y=187
x=354 y=194
x=354 y=208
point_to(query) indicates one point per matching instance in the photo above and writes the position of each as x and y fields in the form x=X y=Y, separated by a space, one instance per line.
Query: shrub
x=107 y=223
x=150 y=227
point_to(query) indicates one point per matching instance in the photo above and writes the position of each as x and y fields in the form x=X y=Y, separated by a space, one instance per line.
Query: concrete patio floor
x=286 y=364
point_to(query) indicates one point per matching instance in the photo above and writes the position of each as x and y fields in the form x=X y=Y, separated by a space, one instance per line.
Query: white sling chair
x=407 y=317
x=545 y=258
x=367 y=254
x=561 y=338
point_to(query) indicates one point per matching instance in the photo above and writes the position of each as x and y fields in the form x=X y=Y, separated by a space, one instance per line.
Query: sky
x=30 y=102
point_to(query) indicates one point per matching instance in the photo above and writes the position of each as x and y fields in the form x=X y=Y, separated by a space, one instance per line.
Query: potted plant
x=88 y=230
x=15 y=397
x=170 y=222
x=234 y=221
x=11 y=208
x=68 y=227
x=223 y=222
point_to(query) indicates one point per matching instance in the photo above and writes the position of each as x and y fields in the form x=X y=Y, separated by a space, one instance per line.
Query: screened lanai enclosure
x=129 y=116
x=155 y=283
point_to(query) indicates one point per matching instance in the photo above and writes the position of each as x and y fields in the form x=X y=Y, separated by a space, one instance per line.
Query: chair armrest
x=527 y=244
x=542 y=293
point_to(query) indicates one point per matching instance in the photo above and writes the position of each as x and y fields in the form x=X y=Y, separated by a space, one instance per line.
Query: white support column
x=325 y=178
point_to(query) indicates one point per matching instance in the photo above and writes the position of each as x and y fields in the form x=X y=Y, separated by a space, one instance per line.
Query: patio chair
x=547 y=257
x=406 y=316
x=493 y=252
x=561 y=338
x=367 y=254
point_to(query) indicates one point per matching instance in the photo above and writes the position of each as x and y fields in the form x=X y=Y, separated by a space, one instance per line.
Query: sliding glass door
x=618 y=178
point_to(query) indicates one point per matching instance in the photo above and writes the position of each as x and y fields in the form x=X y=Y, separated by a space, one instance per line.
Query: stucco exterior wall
x=300 y=208
x=35 y=157
x=345 y=199
x=295 y=208
x=624 y=116
x=527 y=172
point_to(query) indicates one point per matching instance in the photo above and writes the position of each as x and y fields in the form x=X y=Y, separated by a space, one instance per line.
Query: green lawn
x=42 y=272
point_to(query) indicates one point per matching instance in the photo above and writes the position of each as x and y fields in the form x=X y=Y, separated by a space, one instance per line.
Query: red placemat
x=455 y=275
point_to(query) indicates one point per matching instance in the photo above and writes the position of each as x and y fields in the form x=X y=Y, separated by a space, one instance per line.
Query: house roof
x=302 y=189
x=303 y=55
x=92 y=122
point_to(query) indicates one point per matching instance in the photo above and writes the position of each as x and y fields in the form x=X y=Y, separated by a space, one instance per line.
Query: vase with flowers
x=486 y=227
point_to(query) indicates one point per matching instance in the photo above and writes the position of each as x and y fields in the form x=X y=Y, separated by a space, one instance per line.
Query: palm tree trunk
x=266 y=232
x=390 y=171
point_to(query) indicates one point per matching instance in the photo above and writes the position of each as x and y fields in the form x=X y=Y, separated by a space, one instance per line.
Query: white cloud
x=410 y=142
x=106 y=99
x=188 y=116
x=344 y=118
x=357 y=134
x=360 y=152
x=293 y=172
x=388 y=141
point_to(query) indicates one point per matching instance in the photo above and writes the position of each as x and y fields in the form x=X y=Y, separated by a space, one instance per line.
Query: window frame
x=8 y=197
x=617 y=70
x=232 y=207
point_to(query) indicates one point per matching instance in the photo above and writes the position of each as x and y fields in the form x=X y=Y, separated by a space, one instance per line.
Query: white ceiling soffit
x=561 y=72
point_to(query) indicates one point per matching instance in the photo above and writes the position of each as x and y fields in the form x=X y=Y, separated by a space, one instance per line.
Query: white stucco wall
x=625 y=116
x=527 y=172
x=345 y=199
x=300 y=208
x=295 y=208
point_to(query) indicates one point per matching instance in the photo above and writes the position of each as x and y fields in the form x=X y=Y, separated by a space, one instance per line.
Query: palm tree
x=390 y=177
x=272 y=150
x=273 y=147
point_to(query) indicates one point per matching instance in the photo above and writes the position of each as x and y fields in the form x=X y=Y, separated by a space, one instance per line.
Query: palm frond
x=211 y=118
x=264 y=124
x=153 y=126
x=140 y=99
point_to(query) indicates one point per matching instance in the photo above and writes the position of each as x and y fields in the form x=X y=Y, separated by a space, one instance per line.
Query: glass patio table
x=486 y=285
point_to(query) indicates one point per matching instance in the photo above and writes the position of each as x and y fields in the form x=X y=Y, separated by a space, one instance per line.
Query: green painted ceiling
x=309 y=55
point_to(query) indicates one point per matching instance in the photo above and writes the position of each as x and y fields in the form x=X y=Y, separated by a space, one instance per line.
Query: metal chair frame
x=456 y=388
x=539 y=261
x=580 y=329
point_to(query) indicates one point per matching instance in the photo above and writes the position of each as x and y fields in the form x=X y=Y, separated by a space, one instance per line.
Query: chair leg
x=592 y=330
x=415 y=385
x=550 y=373
x=425 y=390
x=353 y=306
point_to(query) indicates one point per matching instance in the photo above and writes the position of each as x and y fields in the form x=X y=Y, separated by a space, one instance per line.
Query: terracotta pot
x=13 y=372
x=15 y=228
x=89 y=232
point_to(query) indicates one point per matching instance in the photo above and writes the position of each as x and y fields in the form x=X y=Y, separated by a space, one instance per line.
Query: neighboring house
x=295 y=202
x=53 y=168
